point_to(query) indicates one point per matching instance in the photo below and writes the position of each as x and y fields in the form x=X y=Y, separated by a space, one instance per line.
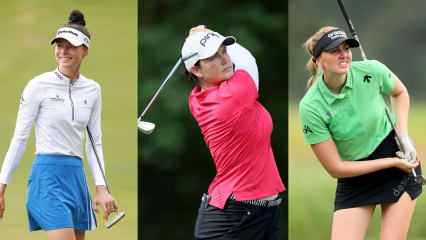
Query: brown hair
x=309 y=45
x=194 y=79
x=77 y=22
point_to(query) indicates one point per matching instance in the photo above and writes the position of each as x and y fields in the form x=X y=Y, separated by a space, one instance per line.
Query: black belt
x=259 y=203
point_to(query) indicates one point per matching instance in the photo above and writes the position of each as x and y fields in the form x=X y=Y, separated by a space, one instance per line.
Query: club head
x=146 y=127
x=114 y=219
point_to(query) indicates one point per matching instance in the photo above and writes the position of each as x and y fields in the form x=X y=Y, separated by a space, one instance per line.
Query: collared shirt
x=237 y=129
x=61 y=111
x=355 y=118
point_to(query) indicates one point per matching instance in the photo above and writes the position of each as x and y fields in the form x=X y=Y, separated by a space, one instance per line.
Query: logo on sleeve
x=22 y=101
x=367 y=78
x=307 y=130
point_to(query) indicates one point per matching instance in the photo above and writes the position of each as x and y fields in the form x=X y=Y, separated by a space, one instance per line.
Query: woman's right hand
x=199 y=28
x=404 y=165
x=2 y=201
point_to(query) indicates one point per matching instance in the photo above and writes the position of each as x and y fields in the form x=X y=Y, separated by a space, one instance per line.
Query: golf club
x=419 y=179
x=119 y=215
x=148 y=127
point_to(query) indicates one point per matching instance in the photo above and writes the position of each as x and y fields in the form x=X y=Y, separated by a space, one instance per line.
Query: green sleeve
x=313 y=127
x=385 y=77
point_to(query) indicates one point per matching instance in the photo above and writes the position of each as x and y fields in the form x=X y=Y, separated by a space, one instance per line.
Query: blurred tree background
x=390 y=31
x=175 y=166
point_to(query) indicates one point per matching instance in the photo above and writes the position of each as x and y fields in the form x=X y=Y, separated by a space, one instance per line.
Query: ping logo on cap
x=207 y=37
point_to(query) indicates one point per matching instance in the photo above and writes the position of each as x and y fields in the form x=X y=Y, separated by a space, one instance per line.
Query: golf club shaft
x=164 y=83
x=400 y=146
x=97 y=157
x=161 y=88
x=351 y=27
x=353 y=32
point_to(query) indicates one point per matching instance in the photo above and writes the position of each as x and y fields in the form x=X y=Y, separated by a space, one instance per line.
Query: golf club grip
x=400 y=146
x=346 y=15
x=97 y=157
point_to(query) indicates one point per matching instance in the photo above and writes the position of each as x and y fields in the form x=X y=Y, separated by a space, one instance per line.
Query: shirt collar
x=328 y=95
x=62 y=77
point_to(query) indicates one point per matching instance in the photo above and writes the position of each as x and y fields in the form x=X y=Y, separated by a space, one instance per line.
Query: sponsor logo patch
x=367 y=78
x=57 y=99
x=307 y=130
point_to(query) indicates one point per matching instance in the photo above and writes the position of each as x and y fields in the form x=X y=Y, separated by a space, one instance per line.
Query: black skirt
x=383 y=186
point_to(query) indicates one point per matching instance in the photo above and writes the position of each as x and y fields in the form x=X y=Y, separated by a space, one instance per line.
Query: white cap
x=202 y=45
x=75 y=37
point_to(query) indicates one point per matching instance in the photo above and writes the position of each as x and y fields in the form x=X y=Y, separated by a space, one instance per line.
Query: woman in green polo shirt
x=344 y=120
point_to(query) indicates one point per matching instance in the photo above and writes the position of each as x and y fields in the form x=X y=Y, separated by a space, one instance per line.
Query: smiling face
x=69 y=57
x=337 y=60
x=215 y=69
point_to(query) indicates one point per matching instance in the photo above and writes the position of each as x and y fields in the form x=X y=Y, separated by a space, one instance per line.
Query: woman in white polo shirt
x=344 y=120
x=62 y=103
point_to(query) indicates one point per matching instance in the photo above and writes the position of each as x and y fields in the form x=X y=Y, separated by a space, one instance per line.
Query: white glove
x=409 y=153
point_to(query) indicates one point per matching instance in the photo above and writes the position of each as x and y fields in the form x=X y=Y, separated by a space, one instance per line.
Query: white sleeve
x=28 y=110
x=94 y=126
x=242 y=59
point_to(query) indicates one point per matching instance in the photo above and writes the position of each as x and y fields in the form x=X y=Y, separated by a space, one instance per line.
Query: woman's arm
x=2 y=203
x=400 y=101
x=27 y=113
x=102 y=196
x=242 y=59
x=327 y=154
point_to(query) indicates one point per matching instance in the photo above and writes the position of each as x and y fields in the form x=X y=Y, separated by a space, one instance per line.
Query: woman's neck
x=204 y=85
x=335 y=81
x=72 y=74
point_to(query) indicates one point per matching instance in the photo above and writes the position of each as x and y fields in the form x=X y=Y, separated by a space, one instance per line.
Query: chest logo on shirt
x=57 y=99
x=307 y=130
x=22 y=101
x=367 y=78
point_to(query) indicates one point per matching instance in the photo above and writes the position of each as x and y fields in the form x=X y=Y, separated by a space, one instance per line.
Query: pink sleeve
x=242 y=87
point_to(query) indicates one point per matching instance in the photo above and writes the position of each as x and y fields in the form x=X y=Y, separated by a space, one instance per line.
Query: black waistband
x=258 y=203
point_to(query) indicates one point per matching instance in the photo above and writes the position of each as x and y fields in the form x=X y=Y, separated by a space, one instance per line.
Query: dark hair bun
x=76 y=17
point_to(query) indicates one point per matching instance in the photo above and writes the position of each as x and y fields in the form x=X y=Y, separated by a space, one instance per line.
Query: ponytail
x=312 y=66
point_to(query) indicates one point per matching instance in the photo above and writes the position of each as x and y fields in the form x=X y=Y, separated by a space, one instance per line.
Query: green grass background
x=312 y=189
x=26 y=30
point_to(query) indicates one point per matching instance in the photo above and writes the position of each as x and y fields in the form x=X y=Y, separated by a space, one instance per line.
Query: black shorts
x=238 y=221
x=383 y=186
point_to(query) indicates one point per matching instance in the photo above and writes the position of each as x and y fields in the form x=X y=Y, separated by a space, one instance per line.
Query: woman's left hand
x=103 y=198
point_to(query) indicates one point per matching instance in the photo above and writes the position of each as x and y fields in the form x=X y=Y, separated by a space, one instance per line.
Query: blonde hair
x=309 y=45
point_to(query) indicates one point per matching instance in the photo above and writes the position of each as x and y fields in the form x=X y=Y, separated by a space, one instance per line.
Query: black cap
x=331 y=40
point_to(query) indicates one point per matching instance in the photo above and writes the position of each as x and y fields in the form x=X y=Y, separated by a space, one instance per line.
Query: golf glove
x=409 y=153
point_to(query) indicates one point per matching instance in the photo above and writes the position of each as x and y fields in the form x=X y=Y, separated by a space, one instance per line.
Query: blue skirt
x=58 y=195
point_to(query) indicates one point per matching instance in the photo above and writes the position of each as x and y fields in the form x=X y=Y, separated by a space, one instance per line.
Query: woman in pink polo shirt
x=243 y=199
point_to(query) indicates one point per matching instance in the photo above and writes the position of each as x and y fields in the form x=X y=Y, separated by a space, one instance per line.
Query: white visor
x=202 y=45
x=75 y=37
